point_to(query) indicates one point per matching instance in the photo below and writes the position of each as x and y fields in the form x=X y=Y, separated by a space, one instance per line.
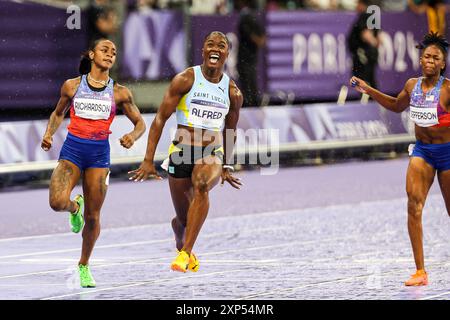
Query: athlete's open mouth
x=213 y=58
x=107 y=60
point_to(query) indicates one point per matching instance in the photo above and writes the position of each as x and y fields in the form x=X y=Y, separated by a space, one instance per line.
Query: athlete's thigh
x=419 y=178
x=95 y=185
x=64 y=178
x=207 y=170
x=444 y=184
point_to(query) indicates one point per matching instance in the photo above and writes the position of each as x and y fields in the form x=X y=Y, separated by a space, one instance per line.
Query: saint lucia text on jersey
x=208 y=96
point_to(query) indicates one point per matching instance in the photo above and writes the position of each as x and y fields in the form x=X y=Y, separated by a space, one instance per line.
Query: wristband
x=226 y=166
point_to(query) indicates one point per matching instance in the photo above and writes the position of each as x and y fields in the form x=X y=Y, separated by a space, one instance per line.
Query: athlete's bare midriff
x=433 y=135
x=198 y=137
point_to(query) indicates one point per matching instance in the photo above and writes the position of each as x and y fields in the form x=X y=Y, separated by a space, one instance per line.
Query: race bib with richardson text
x=92 y=109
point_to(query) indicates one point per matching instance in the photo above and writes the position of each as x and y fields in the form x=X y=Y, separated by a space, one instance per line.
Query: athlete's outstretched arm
x=56 y=118
x=229 y=133
x=129 y=108
x=398 y=104
x=179 y=86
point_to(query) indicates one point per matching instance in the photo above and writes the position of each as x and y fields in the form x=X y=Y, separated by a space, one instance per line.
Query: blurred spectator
x=272 y=5
x=395 y=5
x=252 y=36
x=363 y=44
x=348 y=4
x=332 y=4
x=102 y=20
x=322 y=4
x=142 y=5
x=435 y=10
x=209 y=7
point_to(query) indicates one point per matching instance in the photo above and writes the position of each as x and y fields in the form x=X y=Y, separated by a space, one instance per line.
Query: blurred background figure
x=395 y=5
x=322 y=4
x=252 y=37
x=363 y=45
x=143 y=5
x=435 y=11
x=209 y=7
x=102 y=20
x=272 y=5
x=348 y=4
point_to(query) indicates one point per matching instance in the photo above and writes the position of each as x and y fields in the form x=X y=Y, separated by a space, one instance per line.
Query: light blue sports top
x=206 y=104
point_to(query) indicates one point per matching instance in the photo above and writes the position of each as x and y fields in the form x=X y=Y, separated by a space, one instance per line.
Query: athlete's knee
x=92 y=219
x=57 y=204
x=415 y=205
x=200 y=183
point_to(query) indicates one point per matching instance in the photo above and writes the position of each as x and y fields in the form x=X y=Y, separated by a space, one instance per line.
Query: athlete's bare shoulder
x=183 y=81
x=70 y=86
x=121 y=92
x=445 y=93
x=446 y=84
x=235 y=94
x=187 y=73
x=234 y=90
x=410 y=84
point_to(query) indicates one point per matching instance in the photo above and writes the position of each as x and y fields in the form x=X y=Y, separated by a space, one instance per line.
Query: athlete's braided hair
x=433 y=38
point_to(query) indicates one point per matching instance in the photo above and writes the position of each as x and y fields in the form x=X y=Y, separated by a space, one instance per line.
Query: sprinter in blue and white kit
x=428 y=98
x=207 y=105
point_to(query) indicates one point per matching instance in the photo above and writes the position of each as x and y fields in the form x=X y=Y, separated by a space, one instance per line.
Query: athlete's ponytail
x=85 y=63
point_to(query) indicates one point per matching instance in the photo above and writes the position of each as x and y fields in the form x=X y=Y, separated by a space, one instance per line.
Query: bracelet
x=226 y=166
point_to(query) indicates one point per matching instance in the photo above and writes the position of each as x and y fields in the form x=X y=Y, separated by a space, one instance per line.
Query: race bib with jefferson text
x=424 y=117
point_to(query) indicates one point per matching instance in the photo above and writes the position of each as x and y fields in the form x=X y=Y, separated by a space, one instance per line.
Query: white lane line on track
x=142 y=283
x=243 y=215
x=436 y=296
x=311 y=285
x=317 y=284
x=288 y=290
x=129 y=228
x=143 y=261
x=203 y=254
x=138 y=243
x=108 y=246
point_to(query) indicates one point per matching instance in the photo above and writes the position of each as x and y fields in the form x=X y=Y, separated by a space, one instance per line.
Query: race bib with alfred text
x=207 y=117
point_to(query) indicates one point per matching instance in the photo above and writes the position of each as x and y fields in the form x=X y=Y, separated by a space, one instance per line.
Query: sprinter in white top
x=207 y=105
